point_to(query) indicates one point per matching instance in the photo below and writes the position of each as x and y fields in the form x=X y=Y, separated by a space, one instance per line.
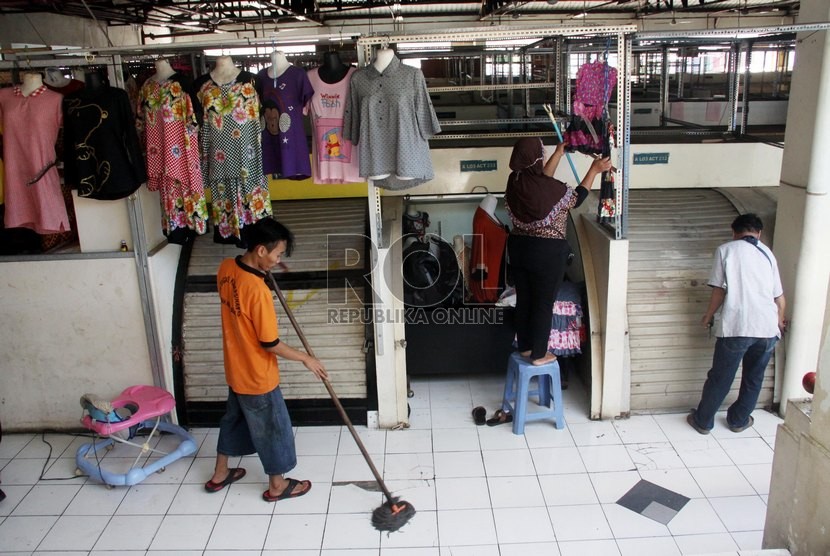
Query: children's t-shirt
x=334 y=159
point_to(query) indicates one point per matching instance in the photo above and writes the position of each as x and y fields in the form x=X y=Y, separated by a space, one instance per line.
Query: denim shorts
x=258 y=424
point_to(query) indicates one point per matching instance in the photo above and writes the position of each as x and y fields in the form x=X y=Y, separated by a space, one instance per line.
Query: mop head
x=392 y=515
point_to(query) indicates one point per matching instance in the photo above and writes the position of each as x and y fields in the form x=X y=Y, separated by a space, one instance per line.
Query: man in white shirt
x=747 y=292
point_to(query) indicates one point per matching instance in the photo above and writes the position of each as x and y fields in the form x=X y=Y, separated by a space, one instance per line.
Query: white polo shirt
x=752 y=283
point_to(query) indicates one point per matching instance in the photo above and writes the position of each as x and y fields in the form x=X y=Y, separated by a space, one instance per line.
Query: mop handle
x=567 y=154
x=328 y=386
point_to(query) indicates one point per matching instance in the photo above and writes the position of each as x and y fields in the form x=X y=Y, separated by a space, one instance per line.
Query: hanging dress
x=32 y=188
x=286 y=154
x=232 y=154
x=168 y=127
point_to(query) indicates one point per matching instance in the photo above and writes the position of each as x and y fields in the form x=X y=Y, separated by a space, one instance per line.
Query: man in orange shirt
x=256 y=418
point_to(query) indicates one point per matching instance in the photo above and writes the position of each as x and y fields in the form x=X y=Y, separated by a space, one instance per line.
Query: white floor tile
x=626 y=523
x=567 y=490
x=129 y=532
x=749 y=540
x=705 y=544
x=421 y=531
x=420 y=551
x=458 y=528
x=350 y=531
x=144 y=499
x=74 y=532
x=347 y=552
x=462 y=494
x=766 y=423
x=515 y=492
x=183 y=532
x=24 y=533
x=695 y=518
x=175 y=553
x=594 y=548
x=22 y=471
x=721 y=481
x=518 y=524
x=451 y=417
x=500 y=437
x=63 y=470
x=192 y=499
x=96 y=499
x=316 y=501
x=664 y=546
x=398 y=467
x=701 y=452
x=747 y=450
x=557 y=461
x=758 y=476
x=408 y=441
x=677 y=480
x=13 y=444
x=657 y=455
x=606 y=458
x=201 y=470
x=14 y=494
x=421 y=494
x=545 y=437
x=316 y=468
x=232 y=553
x=611 y=486
x=345 y=499
x=455 y=440
x=458 y=464
x=585 y=522
x=420 y=418
x=295 y=532
x=469 y=550
x=639 y=429
x=246 y=499
x=240 y=532
x=595 y=433
x=508 y=463
x=373 y=440
x=530 y=549
x=53 y=446
x=310 y=443
x=741 y=513
x=349 y=468
x=46 y=499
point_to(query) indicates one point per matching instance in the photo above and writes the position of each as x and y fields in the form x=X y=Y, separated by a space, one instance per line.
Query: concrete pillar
x=804 y=202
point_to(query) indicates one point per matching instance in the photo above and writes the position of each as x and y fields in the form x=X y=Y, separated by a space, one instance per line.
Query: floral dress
x=232 y=154
x=168 y=127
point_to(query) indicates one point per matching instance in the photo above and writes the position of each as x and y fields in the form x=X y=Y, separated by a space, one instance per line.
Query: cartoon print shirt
x=334 y=158
x=286 y=154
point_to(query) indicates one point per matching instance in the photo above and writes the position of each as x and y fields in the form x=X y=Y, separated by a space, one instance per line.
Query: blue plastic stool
x=517 y=391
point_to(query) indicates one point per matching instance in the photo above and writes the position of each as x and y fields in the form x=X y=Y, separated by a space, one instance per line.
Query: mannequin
x=488 y=204
x=31 y=83
x=279 y=63
x=332 y=70
x=163 y=70
x=224 y=71
x=55 y=78
x=382 y=58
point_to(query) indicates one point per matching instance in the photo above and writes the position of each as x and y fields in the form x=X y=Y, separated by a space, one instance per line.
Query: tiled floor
x=479 y=490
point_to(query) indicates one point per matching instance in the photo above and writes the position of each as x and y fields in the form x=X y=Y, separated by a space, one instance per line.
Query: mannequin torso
x=333 y=70
x=279 y=63
x=31 y=83
x=382 y=58
x=488 y=205
x=224 y=71
x=163 y=70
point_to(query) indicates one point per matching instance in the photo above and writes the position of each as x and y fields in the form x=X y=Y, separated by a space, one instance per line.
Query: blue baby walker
x=137 y=408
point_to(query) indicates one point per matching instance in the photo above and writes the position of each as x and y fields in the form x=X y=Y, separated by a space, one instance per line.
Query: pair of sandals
x=236 y=473
x=499 y=417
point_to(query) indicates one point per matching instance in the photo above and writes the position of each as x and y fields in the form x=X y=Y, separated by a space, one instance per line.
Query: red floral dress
x=168 y=127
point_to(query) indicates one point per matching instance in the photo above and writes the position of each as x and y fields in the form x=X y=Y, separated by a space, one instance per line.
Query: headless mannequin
x=488 y=204
x=382 y=58
x=163 y=70
x=55 y=78
x=95 y=80
x=279 y=63
x=224 y=71
x=31 y=83
x=333 y=70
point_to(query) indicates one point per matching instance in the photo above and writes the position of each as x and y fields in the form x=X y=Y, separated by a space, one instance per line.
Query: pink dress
x=334 y=160
x=168 y=127
x=32 y=186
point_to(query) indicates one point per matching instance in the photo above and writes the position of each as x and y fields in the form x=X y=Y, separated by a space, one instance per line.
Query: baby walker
x=136 y=408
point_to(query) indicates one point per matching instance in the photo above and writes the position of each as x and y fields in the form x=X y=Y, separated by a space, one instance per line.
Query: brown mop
x=392 y=514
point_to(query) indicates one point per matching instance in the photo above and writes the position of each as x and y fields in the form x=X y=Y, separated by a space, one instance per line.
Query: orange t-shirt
x=249 y=324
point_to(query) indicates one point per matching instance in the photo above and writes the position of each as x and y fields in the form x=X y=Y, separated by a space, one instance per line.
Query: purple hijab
x=530 y=194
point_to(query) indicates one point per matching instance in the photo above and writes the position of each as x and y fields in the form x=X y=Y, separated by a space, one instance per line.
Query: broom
x=392 y=514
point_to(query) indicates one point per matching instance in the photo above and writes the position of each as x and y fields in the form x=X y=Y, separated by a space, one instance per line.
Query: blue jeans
x=258 y=423
x=729 y=352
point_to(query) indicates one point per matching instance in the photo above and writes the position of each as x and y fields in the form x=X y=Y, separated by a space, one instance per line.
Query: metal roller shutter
x=672 y=236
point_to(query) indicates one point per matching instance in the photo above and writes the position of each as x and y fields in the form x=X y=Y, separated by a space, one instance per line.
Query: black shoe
x=749 y=423
x=690 y=418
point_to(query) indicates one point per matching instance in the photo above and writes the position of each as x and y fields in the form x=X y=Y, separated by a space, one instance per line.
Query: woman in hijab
x=538 y=206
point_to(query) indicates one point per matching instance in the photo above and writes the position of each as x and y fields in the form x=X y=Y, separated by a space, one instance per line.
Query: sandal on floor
x=234 y=474
x=288 y=491
x=499 y=417
x=479 y=415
